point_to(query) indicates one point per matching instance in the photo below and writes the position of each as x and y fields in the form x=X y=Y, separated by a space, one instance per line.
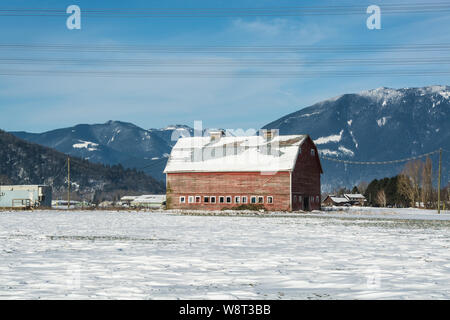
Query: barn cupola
x=269 y=134
x=215 y=135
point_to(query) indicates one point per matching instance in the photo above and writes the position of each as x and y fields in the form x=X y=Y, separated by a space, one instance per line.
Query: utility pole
x=439 y=182
x=68 y=182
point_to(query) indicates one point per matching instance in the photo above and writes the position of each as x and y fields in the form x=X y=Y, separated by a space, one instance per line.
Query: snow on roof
x=148 y=198
x=231 y=154
x=338 y=199
x=128 y=198
x=354 y=196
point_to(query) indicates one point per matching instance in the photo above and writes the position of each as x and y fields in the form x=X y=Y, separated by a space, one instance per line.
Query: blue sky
x=39 y=103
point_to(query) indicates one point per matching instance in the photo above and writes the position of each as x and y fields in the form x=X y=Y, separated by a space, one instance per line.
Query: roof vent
x=216 y=134
x=269 y=134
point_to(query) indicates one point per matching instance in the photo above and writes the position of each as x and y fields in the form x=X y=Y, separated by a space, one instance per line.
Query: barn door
x=306 y=203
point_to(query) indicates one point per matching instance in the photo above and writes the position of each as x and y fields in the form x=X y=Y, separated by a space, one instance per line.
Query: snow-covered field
x=356 y=254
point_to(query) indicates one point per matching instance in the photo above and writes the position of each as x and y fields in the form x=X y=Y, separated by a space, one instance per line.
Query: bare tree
x=381 y=198
x=406 y=189
x=413 y=170
x=362 y=187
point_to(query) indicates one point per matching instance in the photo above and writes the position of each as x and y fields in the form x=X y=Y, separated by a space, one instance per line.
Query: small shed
x=335 y=201
x=127 y=200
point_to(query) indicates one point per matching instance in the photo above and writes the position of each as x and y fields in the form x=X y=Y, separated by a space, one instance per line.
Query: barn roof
x=234 y=154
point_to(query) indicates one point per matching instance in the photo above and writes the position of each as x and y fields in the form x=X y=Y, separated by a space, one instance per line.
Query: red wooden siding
x=306 y=179
x=228 y=184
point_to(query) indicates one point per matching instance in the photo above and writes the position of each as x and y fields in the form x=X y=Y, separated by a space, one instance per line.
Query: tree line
x=413 y=187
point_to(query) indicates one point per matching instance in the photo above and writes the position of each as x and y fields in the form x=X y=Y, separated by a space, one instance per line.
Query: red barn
x=217 y=171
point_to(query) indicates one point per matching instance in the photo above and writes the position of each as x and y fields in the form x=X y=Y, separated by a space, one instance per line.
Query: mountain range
x=23 y=162
x=114 y=142
x=376 y=125
x=383 y=124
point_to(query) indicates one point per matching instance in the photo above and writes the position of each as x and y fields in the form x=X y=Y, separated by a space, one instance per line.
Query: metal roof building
x=25 y=196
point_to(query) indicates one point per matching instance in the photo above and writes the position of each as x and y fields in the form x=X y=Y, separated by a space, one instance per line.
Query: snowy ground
x=356 y=254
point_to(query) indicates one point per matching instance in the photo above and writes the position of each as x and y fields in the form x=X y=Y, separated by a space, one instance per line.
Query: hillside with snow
x=23 y=162
x=375 y=125
x=113 y=142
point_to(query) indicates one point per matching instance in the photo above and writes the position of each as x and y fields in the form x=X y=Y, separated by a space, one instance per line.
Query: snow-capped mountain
x=114 y=142
x=22 y=162
x=375 y=125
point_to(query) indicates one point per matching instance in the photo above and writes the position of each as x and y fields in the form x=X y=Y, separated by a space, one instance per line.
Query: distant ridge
x=113 y=142
x=374 y=125
x=22 y=162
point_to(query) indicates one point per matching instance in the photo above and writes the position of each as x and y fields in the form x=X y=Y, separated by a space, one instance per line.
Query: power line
x=155 y=163
x=225 y=62
x=353 y=48
x=227 y=74
x=380 y=162
x=229 y=12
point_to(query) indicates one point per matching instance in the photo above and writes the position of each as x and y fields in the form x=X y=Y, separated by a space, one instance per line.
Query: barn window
x=182 y=199
x=213 y=199
x=198 y=199
x=244 y=199
x=295 y=198
x=228 y=199
x=269 y=199
x=317 y=199
x=313 y=152
x=237 y=199
x=260 y=199
x=206 y=199
x=221 y=199
x=253 y=199
x=191 y=199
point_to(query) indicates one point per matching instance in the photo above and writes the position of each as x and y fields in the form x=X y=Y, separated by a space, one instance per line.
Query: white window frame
x=237 y=199
x=260 y=197
x=182 y=199
x=191 y=199
x=271 y=199
x=212 y=197
x=231 y=199
x=221 y=199
x=198 y=197
x=251 y=199
x=244 y=199
x=206 y=197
